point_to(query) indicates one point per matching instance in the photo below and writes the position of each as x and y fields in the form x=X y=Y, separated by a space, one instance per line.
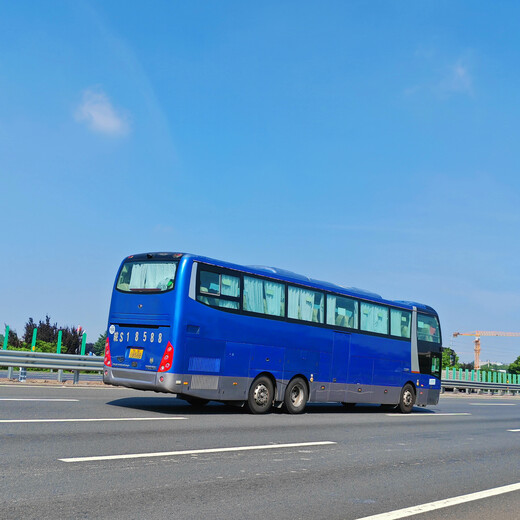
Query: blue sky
x=371 y=144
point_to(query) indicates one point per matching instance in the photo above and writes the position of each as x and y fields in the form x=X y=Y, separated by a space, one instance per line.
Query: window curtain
x=253 y=294
x=374 y=318
x=318 y=316
x=230 y=286
x=138 y=276
x=274 y=298
x=331 y=309
x=159 y=275
x=227 y=304
x=306 y=304
x=395 y=322
x=294 y=303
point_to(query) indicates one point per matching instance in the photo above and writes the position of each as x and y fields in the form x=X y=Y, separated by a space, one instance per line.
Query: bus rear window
x=147 y=276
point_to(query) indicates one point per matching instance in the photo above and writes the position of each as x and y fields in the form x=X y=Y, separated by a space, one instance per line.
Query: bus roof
x=287 y=276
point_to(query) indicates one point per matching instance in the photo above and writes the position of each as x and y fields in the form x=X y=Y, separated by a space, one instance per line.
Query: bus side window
x=400 y=323
x=209 y=283
x=374 y=318
x=219 y=290
x=342 y=312
x=305 y=304
x=264 y=296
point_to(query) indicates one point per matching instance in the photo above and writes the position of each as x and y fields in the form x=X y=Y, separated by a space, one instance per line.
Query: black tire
x=407 y=399
x=296 y=396
x=196 y=402
x=261 y=395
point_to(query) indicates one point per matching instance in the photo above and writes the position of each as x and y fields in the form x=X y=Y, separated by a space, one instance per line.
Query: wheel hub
x=261 y=395
x=296 y=395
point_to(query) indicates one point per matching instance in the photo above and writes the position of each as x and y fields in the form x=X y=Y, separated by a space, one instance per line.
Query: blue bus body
x=194 y=336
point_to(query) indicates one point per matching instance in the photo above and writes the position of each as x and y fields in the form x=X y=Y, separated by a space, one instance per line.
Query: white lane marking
x=492 y=404
x=197 y=452
x=424 y=414
x=34 y=399
x=108 y=419
x=513 y=430
x=439 y=504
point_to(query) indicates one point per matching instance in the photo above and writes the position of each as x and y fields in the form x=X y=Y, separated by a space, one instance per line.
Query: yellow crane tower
x=479 y=333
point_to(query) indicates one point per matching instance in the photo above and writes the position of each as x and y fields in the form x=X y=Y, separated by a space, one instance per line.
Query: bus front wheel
x=296 y=396
x=261 y=395
x=407 y=399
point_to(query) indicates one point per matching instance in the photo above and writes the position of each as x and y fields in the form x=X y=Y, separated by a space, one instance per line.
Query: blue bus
x=208 y=330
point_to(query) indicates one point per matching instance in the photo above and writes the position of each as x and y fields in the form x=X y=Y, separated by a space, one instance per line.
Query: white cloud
x=457 y=80
x=442 y=76
x=98 y=113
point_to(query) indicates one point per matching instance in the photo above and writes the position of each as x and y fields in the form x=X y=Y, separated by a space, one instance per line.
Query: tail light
x=167 y=359
x=108 y=358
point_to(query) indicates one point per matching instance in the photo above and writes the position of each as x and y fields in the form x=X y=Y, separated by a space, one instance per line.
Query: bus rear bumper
x=143 y=380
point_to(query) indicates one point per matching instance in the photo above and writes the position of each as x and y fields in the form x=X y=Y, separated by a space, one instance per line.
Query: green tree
x=449 y=358
x=13 y=340
x=514 y=367
x=46 y=330
x=99 y=345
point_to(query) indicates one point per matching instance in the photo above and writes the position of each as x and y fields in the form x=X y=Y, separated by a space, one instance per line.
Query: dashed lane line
x=197 y=452
x=492 y=404
x=37 y=399
x=426 y=414
x=440 y=504
x=105 y=419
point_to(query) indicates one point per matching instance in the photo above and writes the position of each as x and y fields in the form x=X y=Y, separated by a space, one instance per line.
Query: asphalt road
x=360 y=463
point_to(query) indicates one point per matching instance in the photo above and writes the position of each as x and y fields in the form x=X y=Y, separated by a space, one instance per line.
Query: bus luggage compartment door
x=340 y=357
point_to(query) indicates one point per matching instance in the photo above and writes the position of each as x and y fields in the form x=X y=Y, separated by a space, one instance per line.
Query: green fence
x=482 y=376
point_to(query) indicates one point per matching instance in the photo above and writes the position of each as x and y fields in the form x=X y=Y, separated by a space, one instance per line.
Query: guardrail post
x=10 y=374
x=23 y=375
x=58 y=348
x=6 y=337
x=76 y=377
x=33 y=343
x=83 y=342
x=60 y=376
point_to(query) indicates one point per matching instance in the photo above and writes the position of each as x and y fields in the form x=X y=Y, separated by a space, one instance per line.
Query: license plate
x=136 y=353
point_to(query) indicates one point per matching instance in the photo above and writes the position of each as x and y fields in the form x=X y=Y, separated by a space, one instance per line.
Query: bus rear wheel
x=296 y=396
x=407 y=399
x=261 y=395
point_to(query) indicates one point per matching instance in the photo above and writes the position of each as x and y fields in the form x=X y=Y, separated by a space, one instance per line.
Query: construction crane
x=478 y=334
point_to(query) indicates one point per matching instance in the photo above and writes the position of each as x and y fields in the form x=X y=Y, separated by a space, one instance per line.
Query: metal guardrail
x=60 y=362
x=479 y=386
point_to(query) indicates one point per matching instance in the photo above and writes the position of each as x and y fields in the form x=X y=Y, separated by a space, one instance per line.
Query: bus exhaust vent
x=204 y=382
